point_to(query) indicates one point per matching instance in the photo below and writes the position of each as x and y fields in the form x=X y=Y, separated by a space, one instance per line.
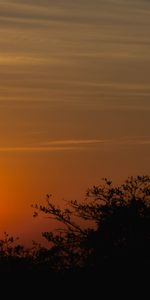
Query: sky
x=74 y=101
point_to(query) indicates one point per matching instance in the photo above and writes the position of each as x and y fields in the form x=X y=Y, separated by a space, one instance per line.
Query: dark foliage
x=100 y=239
x=116 y=227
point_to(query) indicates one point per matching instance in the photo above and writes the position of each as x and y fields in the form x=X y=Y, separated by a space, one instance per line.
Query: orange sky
x=74 y=101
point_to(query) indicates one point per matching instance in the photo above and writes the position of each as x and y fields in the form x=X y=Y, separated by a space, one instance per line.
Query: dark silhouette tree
x=111 y=226
x=100 y=240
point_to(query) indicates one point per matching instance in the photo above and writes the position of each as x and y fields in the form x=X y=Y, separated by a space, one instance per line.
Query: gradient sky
x=74 y=100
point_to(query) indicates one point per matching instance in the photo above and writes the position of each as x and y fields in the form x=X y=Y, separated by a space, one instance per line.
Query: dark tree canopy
x=102 y=242
x=115 y=227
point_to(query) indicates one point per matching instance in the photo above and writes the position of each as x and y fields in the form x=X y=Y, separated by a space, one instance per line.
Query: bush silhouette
x=110 y=227
x=103 y=242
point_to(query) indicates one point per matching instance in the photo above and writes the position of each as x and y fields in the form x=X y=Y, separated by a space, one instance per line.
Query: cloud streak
x=75 y=142
x=54 y=146
x=79 y=145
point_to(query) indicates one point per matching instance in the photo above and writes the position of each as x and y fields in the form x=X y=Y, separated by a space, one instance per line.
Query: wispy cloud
x=25 y=60
x=53 y=146
x=35 y=149
x=76 y=142
x=73 y=145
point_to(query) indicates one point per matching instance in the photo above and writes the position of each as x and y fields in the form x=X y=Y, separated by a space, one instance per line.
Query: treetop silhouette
x=111 y=225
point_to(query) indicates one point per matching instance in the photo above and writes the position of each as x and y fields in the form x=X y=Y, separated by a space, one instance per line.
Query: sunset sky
x=74 y=100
